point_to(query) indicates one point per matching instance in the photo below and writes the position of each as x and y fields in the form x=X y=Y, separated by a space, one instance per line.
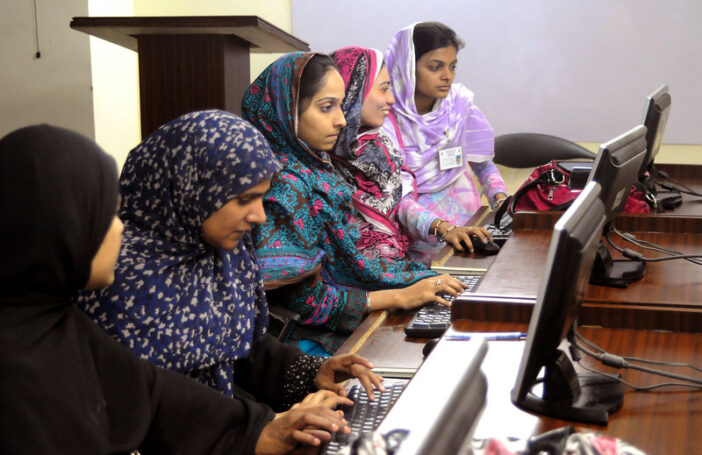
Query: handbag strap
x=551 y=176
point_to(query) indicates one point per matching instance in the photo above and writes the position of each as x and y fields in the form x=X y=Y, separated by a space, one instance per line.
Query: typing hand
x=428 y=290
x=341 y=367
x=326 y=398
x=308 y=425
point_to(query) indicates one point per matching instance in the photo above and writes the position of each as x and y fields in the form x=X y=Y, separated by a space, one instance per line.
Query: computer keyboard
x=500 y=233
x=364 y=415
x=432 y=320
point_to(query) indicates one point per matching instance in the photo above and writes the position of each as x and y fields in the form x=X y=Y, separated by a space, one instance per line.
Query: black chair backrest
x=528 y=150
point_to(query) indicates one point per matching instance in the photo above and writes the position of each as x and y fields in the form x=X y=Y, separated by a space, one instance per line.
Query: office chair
x=281 y=321
x=529 y=150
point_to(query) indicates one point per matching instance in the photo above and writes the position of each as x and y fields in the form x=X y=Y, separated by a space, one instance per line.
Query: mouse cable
x=637 y=359
x=641 y=388
x=636 y=256
x=646 y=245
x=618 y=362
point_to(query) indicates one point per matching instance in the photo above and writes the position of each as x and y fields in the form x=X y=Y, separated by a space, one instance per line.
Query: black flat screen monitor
x=657 y=111
x=564 y=393
x=616 y=168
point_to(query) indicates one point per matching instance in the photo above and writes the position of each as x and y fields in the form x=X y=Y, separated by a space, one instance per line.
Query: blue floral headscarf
x=176 y=300
x=309 y=207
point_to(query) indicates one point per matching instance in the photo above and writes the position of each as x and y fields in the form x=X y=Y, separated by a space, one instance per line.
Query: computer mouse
x=486 y=249
x=429 y=346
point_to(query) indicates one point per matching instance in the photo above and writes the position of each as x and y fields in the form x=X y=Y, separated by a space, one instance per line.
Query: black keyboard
x=500 y=233
x=363 y=416
x=432 y=320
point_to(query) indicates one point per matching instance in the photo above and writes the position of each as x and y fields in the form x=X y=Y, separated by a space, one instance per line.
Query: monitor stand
x=582 y=397
x=615 y=273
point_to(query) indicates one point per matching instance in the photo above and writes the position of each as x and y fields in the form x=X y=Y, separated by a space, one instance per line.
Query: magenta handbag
x=548 y=188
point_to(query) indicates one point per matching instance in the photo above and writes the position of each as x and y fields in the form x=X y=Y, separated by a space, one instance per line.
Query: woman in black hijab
x=65 y=386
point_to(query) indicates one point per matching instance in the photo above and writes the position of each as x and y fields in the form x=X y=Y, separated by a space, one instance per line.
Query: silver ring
x=438 y=282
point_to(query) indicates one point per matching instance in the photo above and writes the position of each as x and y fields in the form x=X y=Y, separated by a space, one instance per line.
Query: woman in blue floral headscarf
x=307 y=247
x=187 y=293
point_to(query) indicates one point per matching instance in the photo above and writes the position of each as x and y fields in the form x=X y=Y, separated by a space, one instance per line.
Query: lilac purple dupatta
x=454 y=121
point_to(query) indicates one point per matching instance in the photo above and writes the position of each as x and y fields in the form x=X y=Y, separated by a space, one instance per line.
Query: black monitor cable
x=636 y=256
x=674 y=185
x=638 y=359
x=646 y=245
x=36 y=29
x=642 y=388
x=623 y=362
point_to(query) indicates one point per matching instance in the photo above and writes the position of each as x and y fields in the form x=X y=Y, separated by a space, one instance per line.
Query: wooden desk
x=690 y=175
x=668 y=297
x=656 y=422
x=380 y=337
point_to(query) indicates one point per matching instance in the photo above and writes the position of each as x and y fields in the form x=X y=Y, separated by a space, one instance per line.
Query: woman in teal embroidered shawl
x=307 y=247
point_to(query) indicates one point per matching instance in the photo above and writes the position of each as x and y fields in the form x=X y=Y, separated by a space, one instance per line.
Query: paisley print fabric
x=176 y=300
x=308 y=242
x=368 y=160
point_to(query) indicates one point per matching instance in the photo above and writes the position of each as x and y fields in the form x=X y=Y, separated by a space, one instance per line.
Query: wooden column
x=190 y=63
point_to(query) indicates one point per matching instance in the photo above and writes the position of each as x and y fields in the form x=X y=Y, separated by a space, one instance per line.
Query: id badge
x=450 y=158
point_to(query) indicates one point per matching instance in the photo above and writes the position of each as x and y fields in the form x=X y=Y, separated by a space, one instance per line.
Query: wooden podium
x=190 y=63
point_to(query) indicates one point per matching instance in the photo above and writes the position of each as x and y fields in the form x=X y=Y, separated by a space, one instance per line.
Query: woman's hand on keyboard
x=429 y=290
x=342 y=367
x=422 y=292
x=302 y=424
x=325 y=398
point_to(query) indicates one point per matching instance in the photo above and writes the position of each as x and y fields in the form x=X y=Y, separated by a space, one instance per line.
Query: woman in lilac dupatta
x=442 y=131
x=372 y=162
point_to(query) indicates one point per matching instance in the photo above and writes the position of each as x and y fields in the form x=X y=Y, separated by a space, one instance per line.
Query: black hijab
x=58 y=196
x=65 y=386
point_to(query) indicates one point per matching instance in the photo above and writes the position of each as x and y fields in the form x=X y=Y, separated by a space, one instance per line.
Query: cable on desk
x=675 y=186
x=646 y=245
x=619 y=362
x=638 y=359
x=636 y=256
x=641 y=388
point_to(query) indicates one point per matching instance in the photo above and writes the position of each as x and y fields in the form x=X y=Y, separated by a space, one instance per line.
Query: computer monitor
x=657 y=112
x=439 y=408
x=616 y=167
x=565 y=394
